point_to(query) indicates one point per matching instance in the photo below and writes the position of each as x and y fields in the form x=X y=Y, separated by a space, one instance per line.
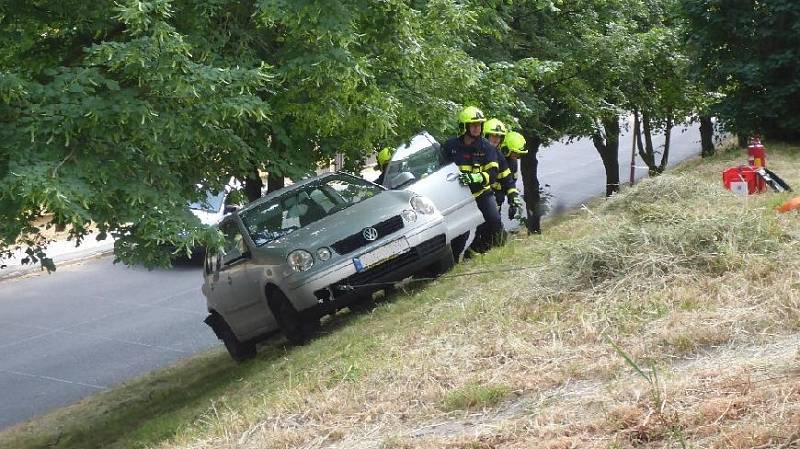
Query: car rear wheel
x=294 y=326
x=238 y=350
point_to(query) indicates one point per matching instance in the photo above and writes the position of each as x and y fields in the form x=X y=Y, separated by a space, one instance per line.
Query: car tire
x=238 y=350
x=294 y=326
x=440 y=267
x=362 y=304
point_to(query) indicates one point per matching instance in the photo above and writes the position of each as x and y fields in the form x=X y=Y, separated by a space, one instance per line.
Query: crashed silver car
x=421 y=167
x=314 y=247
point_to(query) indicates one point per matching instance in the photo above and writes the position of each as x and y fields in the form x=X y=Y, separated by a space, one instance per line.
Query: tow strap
x=351 y=287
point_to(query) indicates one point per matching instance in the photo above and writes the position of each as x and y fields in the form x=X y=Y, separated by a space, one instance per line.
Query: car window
x=305 y=204
x=322 y=198
x=233 y=245
x=419 y=163
x=211 y=203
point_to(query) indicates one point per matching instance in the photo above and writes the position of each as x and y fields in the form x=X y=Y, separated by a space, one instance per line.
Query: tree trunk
x=743 y=140
x=706 y=136
x=253 y=186
x=275 y=182
x=648 y=143
x=647 y=157
x=608 y=148
x=529 y=166
x=667 y=138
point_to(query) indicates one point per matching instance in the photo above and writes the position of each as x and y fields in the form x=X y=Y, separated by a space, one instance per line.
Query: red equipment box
x=743 y=180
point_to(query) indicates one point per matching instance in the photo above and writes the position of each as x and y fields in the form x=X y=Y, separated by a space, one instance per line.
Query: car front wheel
x=294 y=326
x=440 y=267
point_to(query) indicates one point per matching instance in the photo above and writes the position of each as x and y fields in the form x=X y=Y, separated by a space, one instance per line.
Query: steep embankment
x=667 y=315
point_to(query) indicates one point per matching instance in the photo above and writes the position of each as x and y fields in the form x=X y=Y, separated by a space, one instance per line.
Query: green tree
x=107 y=117
x=659 y=88
x=748 y=52
x=555 y=73
x=111 y=114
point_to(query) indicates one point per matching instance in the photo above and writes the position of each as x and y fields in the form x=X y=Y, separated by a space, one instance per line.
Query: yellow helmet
x=468 y=115
x=494 y=126
x=384 y=156
x=515 y=143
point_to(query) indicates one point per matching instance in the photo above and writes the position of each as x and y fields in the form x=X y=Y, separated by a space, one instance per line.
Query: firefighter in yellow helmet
x=383 y=157
x=495 y=132
x=479 y=163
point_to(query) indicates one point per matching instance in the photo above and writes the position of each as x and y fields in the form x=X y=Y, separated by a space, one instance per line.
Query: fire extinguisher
x=756 y=156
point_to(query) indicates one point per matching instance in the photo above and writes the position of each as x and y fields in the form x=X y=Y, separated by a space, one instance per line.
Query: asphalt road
x=575 y=174
x=94 y=325
x=91 y=326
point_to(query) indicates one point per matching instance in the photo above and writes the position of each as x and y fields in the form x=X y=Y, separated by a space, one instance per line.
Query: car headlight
x=323 y=254
x=409 y=216
x=422 y=205
x=300 y=260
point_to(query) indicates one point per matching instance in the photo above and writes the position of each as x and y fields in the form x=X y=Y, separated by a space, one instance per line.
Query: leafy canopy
x=111 y=113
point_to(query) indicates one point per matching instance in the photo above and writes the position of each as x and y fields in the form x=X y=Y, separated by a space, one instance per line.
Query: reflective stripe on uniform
x=480 y=192
x=490 y=165
x=512 y=190
x=504 y=173
x=465 y=168
x=497 y=186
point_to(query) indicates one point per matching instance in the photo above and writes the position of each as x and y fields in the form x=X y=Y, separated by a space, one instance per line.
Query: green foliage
x=748 y=52
x=112 y=113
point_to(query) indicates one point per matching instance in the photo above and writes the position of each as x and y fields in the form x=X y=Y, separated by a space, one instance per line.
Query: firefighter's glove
x=514 y=207
x=471 y=178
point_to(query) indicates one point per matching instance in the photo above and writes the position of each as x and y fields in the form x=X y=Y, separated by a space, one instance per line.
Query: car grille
x=355 y=241
x=419 y=252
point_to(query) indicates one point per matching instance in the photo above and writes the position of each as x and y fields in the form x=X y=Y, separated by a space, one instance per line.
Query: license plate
x=382 y=254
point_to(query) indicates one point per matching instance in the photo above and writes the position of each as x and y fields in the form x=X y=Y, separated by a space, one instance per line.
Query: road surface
x=91 y=326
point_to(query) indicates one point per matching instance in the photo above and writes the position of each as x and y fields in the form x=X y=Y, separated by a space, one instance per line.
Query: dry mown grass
x=696 y=283
x=693 y=283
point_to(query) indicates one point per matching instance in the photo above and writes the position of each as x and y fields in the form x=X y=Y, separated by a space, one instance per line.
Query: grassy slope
x=693 y=284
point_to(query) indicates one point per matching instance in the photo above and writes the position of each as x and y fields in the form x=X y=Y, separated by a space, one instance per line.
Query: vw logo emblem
x=370 y=234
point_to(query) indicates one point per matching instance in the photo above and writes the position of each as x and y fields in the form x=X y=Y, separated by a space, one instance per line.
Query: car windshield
x=211 y=203
x=420 y=163
x=300 y=206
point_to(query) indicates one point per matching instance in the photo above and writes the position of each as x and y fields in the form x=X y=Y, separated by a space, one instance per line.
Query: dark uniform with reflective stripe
x=506 y=184
x=480 y=157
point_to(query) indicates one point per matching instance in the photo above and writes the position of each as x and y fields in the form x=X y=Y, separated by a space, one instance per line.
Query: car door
x=436 y=178
x=237 y=288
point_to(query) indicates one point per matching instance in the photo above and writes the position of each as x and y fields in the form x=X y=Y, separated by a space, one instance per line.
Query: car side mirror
x=401 y=179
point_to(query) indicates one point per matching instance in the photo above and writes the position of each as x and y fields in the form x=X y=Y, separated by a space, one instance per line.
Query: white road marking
x=54 y=379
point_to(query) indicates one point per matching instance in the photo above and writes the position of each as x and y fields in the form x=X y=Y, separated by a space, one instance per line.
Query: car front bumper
x=340 y=285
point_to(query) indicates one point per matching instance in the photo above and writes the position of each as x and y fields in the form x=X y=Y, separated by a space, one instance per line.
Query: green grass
x=675 y=271
x=474 y=396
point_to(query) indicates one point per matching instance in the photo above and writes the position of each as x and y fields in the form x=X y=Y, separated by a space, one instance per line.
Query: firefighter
x=506 y=185
x=479 y=163
x=384 y=156
x=513 y=147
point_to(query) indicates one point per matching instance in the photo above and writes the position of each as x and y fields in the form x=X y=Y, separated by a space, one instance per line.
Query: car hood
x=335 y=227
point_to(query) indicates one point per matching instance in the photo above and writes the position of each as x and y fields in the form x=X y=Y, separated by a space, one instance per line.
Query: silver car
x=314 y=247
x=421 y=167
